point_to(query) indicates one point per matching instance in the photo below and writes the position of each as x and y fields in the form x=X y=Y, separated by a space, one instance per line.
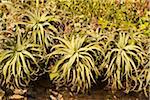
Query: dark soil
x=39 y=90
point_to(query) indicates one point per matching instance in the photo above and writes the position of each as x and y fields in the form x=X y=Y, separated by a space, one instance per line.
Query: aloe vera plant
x=76 y=66
x=142 y=81
x=123 y=61
x=18 y=60
x=38 y=22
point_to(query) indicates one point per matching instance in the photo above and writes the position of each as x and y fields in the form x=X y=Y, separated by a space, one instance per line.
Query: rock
x=16 y=97
x=60 y=97
x=52 y=97
x=25 y=98
x=20 y=91
x=18 y=94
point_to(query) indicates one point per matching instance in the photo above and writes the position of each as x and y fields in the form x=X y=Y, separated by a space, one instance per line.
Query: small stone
x=60 y=97
x=137 y=99
x=20 y=91
x=115 y=97
x=52 y=97
x=25 y=98
x=16 y=97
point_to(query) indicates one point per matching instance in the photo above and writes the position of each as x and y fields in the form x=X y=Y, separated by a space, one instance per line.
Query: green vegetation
x=17 y=55
x=78 y=41
x=76 y=65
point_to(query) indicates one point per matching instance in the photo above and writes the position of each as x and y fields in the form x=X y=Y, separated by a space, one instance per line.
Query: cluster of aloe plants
x=25 y=35
x=77 y=40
